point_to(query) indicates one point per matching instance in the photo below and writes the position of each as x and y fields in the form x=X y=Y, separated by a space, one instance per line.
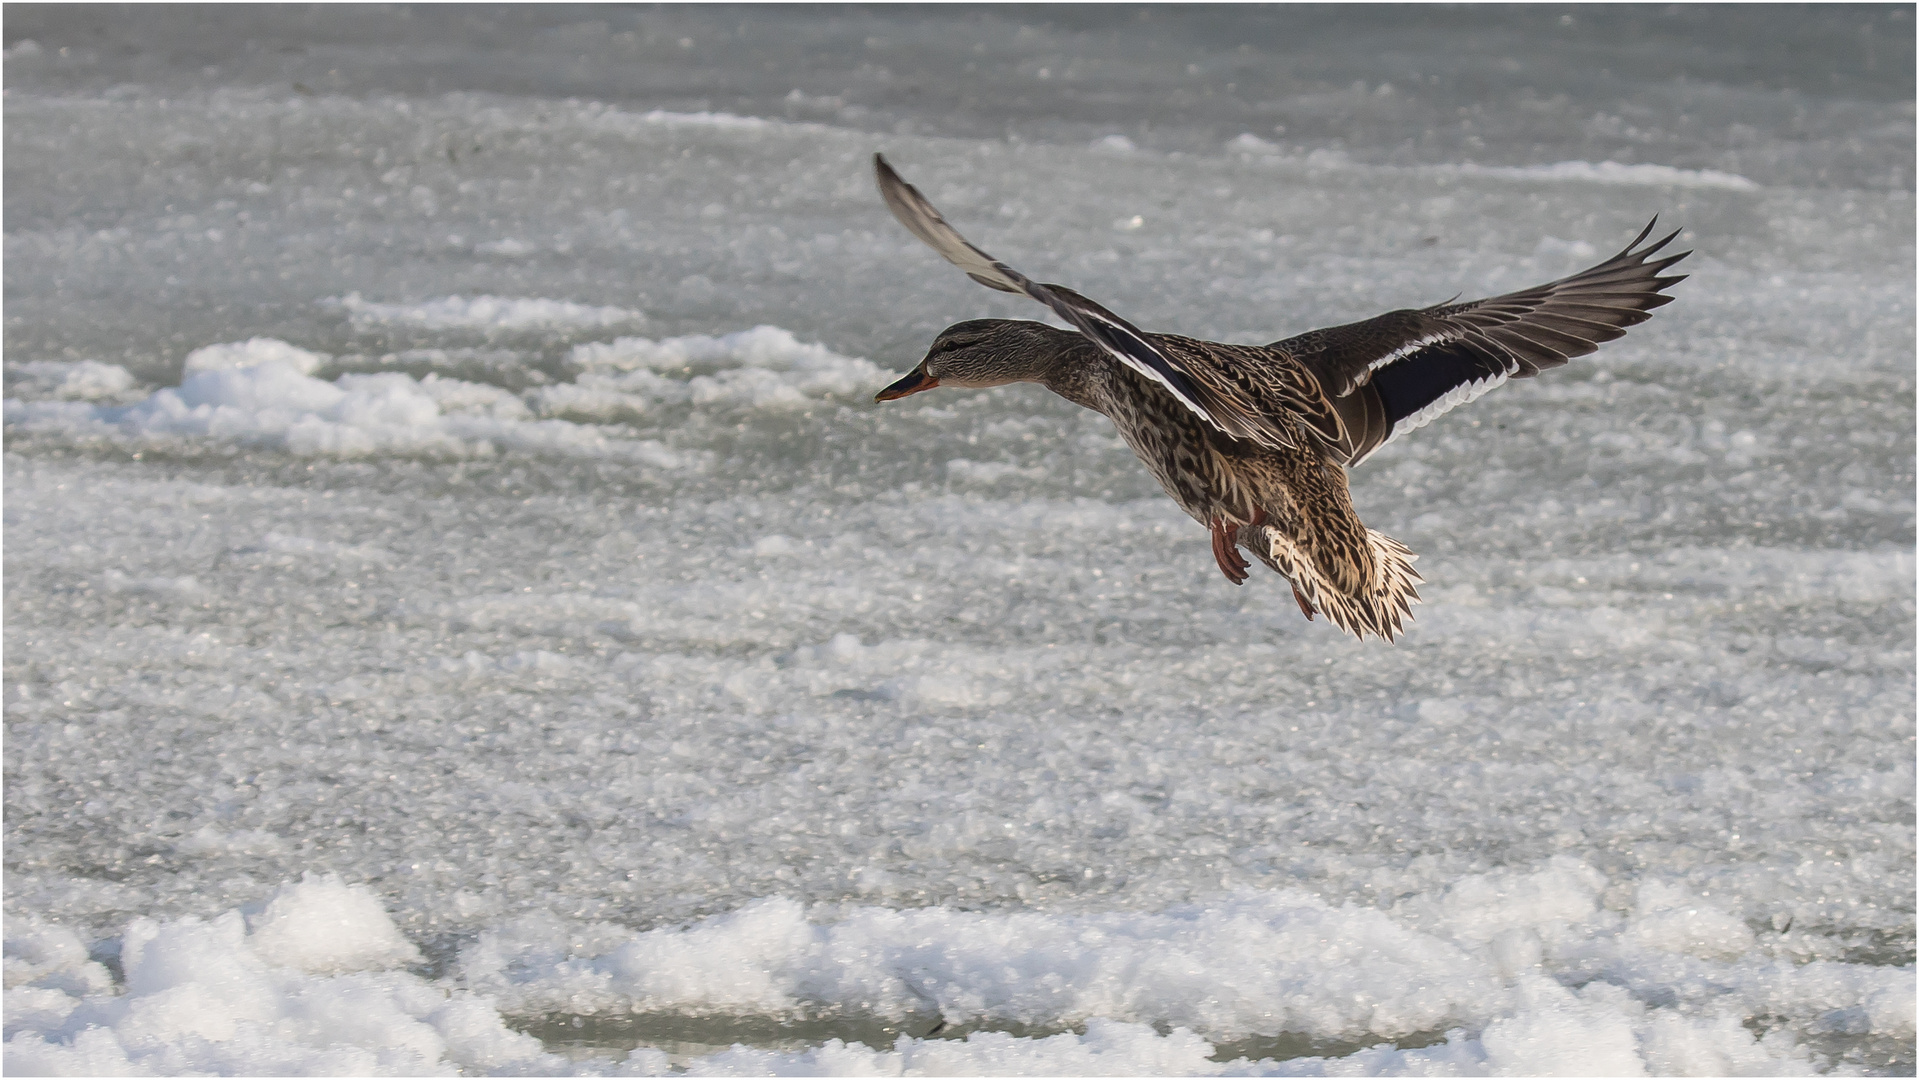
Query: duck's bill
x=913 y=383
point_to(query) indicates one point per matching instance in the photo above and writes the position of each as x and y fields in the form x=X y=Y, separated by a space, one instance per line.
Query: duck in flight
x=1254 y=441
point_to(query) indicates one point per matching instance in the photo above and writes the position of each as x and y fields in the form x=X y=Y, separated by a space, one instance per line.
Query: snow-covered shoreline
x=271 y=988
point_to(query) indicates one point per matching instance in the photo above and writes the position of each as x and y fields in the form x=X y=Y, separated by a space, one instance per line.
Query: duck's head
x=980 y=353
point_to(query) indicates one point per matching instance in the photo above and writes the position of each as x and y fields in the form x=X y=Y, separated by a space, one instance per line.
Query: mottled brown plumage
x=1253 y=441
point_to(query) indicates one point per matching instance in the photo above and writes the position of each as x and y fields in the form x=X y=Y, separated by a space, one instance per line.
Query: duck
x=1254 y=441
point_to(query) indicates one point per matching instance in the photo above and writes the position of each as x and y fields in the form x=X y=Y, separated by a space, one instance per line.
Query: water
x=532 y=569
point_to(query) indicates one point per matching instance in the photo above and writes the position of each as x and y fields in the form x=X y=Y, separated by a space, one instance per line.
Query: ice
x=324 y=925
x=261 y=393
x=758 y=368
x=699 y=119
x=253 y=353
x=1675 y=922
x=1612 y=172
x=1107 y=1048
x=1257 y=965
x=1255 y=149
x=465 y=612
x=83 y=380
x=486 y=312
x=274 y=989
x=305 y=985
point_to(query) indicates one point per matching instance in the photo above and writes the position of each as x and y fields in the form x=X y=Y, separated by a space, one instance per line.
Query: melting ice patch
x=1478 y=959
x=274 y=405
x=1508 y=973
x=309 y=984
x=292 y=549
x=263 y=392
x=758 y=368
x=81 y=380
x=1607 y=172
x=1254 y=964
x=1249 y=143
x=702 y=119
x=254 y=352
x=485 y=313
x=1644 y=174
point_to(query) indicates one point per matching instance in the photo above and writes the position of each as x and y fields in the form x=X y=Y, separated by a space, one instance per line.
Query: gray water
x=663 y=689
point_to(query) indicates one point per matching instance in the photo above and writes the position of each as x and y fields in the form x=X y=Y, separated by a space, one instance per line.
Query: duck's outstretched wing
x=1118 y=338
x=1404 y=369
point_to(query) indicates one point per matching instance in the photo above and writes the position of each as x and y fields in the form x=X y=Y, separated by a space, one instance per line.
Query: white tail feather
x=1380 y=607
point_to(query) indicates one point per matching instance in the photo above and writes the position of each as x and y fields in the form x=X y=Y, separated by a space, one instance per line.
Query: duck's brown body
x=1289 y=506
x=1254 y=441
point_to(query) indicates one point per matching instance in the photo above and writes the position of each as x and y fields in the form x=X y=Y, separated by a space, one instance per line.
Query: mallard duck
x=1254 y=441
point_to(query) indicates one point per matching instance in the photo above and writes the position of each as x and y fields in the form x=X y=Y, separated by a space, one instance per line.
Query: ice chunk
x=485 y=313
x=765 y=367
x=1561 y=1035
x=323 y=925
x=1674 y=920
x=259 y=394
x=1107 y=1048
x=80 y=380
x=207 y=996
x=254 y=352
x=1249 y=965
x=1608 y=172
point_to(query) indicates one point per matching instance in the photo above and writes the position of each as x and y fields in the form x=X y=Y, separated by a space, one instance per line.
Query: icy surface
x=465 y=613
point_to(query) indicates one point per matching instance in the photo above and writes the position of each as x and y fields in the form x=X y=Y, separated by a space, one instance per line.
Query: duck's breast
x=1192 y=461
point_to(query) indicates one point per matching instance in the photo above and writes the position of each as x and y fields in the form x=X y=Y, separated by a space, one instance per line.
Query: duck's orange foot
x=1305 y=608
x=1226 y=551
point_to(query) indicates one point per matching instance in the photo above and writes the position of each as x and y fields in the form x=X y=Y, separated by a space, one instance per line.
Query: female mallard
x=1253 y=441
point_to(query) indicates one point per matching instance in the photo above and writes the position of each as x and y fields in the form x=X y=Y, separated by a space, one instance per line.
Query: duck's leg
x=1305 y=606
x=1226 y=550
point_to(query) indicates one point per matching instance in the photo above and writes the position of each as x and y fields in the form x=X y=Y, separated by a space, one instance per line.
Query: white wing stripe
x=1445 y=403
x=1407 y=349
x=1110 y=332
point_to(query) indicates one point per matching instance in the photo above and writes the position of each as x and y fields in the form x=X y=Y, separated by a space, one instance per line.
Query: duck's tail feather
x=1380 y=605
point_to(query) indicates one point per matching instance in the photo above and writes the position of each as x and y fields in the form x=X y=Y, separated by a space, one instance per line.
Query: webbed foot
x=1226 y=551
x=1305 y=608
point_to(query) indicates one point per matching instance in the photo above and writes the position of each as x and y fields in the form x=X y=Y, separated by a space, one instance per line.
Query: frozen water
x=487 y=312
x=304 y=985
x=465 y=612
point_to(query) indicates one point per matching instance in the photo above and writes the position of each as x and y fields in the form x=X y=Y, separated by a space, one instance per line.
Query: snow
x=325 y=925
x=1612 y=172
x=260 y=352
x=262 y=392
x=314 y=977
x=466 y=614
x=82 y=380
x=763 y=367
x=486 y=312
x=306 y=985
x=1576 y=172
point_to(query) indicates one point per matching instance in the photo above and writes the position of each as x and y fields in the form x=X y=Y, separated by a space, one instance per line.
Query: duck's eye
x=947 y=345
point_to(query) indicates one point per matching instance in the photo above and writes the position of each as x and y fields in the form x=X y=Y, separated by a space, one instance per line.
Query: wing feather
x=1421 y=363
x=1355 y=387
x=1115 y=336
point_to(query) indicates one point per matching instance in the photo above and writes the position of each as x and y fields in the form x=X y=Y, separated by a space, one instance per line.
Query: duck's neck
x=1076 y=369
